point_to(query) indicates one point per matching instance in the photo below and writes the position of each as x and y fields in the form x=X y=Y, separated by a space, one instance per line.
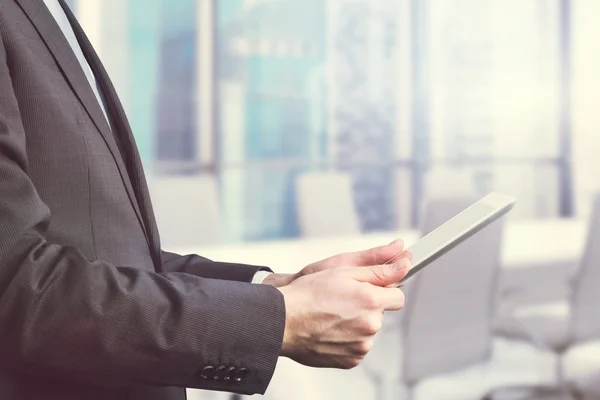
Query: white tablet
x=457 y=230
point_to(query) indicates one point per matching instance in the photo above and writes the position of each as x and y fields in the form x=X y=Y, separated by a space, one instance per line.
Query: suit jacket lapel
x=121 y=125
x=65 y=58
x=61 y=50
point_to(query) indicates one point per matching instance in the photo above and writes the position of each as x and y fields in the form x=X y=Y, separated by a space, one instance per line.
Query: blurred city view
x=257 y=92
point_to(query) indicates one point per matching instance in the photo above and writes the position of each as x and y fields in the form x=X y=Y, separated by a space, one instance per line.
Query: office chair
x=571 y=328
x=444 y=343
x=326 y=205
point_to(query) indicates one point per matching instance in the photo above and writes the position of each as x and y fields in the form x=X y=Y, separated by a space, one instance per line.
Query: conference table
x=539 y=257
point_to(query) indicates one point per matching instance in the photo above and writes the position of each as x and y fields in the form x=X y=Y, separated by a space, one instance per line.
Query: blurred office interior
x=279 y=132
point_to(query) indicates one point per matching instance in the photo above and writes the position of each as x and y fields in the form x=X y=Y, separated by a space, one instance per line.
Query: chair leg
x=409 y=392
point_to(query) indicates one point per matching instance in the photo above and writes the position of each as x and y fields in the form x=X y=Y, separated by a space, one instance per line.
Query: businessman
x=91 y=308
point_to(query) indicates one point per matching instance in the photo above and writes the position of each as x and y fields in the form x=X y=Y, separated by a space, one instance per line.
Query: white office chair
x=445 y=340
x=571 y=328
x=581 y=361
x=187 y=210
x=326 y=205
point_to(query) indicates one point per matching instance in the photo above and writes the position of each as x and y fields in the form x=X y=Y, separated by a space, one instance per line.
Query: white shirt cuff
x=260 y=276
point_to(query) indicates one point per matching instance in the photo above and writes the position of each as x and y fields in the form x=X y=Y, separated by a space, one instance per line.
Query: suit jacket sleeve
x=196 y=265
x=65 y=316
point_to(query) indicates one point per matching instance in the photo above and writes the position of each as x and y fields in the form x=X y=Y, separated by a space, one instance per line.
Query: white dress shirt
x=63 y=22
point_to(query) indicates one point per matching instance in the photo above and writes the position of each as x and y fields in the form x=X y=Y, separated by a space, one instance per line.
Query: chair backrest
x=585 y=324
x=449 y=305
x=187 y=210
x=326 y=205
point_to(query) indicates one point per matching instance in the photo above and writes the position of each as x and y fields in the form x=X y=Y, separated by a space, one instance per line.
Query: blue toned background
x=256 y=92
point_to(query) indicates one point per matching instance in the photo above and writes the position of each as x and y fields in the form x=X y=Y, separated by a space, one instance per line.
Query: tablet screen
x=457 y=230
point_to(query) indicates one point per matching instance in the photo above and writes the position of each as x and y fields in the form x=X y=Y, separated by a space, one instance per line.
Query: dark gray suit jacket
x=90 y=307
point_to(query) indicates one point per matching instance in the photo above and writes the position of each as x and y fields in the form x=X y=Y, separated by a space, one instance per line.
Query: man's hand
x=374 y=256
x=333 y=315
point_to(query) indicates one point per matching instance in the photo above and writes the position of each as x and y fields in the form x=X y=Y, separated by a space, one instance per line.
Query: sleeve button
x=207 y=372
x=241 y=374
x=218 y=375
x=229 y=373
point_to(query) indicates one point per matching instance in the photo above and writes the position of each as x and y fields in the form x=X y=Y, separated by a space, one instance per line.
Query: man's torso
x=76 y=173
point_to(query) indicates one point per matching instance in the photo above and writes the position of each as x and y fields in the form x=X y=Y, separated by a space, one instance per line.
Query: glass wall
x=493 y=96
x=268 y=76
x=144 y=36
x=175 y=108
x=585 y=96
x=399 y=95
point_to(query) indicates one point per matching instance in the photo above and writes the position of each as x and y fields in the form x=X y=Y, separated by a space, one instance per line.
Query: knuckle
x=371 y=302
x=369 y=299
x=364 y=347
x=372 y=326
x=352 y=362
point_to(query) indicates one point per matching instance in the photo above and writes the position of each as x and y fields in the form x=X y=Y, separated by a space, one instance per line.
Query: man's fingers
x=382 y=275
x=405 y=254
x=377 y=255
x=392 y=298
x=386 y=298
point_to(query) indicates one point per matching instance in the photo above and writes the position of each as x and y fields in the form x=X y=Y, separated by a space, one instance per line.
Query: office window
x=585 y=99
x=176 y=107
x=387 y=91
x=144 y=37
x=270 y=91
x=306 y=86
x=494 y=96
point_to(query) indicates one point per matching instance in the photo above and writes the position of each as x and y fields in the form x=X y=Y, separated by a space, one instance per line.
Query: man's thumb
x=383 y=275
